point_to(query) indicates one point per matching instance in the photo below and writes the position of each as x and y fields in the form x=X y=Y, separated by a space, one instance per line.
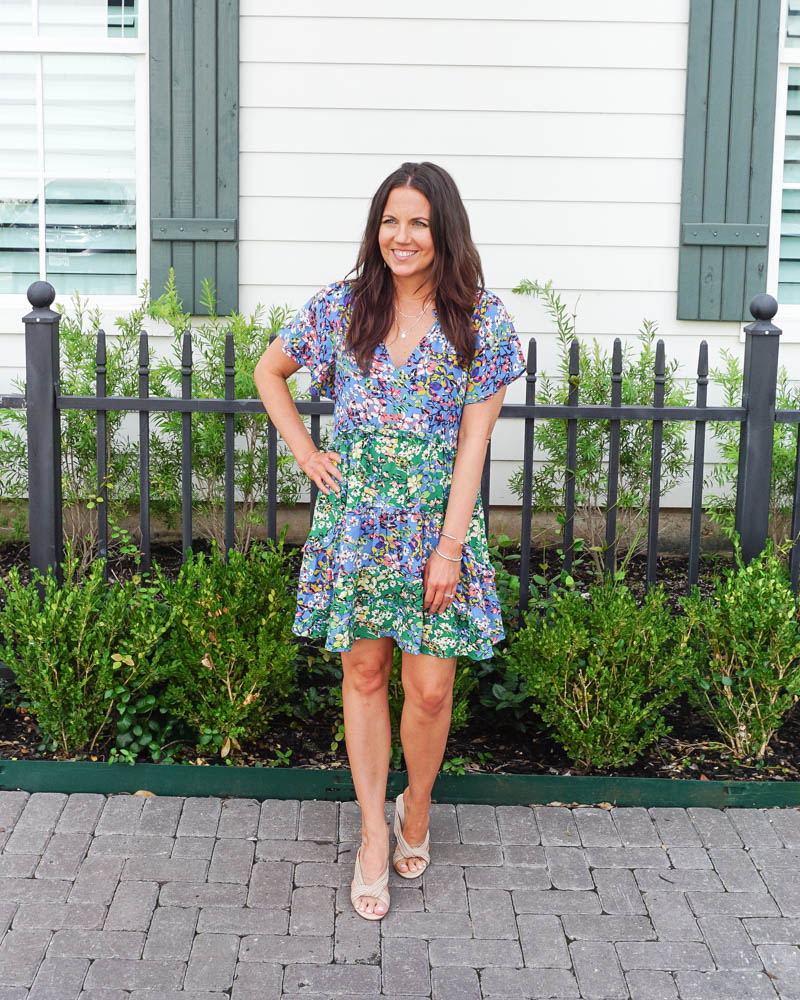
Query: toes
x=411 y=865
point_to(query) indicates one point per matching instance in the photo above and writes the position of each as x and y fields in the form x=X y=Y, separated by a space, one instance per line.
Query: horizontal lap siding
x=561 y=123
x=458 y=41
x=563 y=131
x=660 y=11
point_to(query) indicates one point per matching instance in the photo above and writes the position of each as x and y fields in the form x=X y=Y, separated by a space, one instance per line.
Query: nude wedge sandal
x=404 y=850
x=378 y=889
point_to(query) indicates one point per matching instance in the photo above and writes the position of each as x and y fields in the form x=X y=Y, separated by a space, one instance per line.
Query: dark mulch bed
x=487 y=745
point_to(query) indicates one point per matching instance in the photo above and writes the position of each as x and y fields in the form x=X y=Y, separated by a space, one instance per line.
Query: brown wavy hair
x=457 y=276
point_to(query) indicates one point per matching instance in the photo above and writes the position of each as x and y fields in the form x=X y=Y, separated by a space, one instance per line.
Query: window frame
x=10 y=302
x=788 y=316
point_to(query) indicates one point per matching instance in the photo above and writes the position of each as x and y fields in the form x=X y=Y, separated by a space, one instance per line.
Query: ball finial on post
x=41 y=294
x=763 y=307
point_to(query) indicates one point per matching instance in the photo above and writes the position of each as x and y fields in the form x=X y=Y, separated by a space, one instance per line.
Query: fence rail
x=757 y=416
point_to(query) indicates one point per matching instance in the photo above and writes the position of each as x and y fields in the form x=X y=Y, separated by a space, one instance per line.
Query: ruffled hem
x=343 y=591
x=342 y=644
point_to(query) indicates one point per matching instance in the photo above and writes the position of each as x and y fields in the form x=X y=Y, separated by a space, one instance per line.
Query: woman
x=417 y=355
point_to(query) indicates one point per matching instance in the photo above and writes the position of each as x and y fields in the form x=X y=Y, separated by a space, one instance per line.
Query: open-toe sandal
x=404 y=851
x=378 y=889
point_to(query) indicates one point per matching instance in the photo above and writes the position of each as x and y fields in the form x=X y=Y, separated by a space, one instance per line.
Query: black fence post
x=758 y=429
x=44 y=428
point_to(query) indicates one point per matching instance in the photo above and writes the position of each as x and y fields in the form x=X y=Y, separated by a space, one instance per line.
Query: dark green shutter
x=194 y=148
x=731 y=84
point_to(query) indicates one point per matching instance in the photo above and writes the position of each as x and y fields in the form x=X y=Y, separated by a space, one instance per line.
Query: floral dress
x=396 y=430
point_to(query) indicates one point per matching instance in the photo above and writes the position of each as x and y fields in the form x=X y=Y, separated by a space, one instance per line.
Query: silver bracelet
x=459 y=540
x=448 y=558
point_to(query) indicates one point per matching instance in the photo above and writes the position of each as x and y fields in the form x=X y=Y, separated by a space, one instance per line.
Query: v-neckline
x=423 y=338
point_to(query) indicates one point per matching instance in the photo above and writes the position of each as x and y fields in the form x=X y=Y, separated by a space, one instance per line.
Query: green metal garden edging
x=299 y=783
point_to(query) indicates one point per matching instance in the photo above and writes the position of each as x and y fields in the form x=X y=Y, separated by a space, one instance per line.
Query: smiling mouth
x=403 y=254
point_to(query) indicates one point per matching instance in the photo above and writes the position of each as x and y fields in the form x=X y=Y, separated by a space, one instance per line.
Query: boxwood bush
x=599 y=670
x=742 y=653
x=68 y=645
x=230 y=647
x=143 y=665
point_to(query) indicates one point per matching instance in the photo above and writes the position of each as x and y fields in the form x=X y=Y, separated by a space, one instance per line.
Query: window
x=784 y=257
x=74 y=77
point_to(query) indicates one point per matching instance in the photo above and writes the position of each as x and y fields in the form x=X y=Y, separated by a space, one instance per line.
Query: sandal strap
x=378 y=888
x=403 y=848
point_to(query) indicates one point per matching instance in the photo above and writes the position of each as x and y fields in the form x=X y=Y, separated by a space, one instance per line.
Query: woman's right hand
x=321 y=468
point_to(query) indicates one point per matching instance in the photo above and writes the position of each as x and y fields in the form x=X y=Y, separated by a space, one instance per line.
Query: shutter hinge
x=724 y=234
x=193 y=229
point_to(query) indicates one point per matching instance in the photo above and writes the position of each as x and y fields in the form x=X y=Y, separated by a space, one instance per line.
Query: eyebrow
x=414 y=218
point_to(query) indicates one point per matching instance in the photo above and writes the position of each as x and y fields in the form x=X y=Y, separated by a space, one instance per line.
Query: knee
x=367 y=676
x=430 y=698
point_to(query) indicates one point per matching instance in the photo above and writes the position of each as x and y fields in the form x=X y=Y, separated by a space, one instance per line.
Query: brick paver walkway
x=201 y=898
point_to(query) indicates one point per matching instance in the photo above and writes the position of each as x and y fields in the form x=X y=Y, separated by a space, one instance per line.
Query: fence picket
x=144 y=451
x=186 y=448
x=101 y=423
x=527 y=483
x=794 y=554
x=613 y=460
x=230 y=455
x=316 y=438
x=655 y=466
x=698 y=468
x=485 y=484
x=572 y=458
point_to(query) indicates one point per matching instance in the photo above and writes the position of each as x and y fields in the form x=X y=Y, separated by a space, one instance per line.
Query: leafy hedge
x=151 y=667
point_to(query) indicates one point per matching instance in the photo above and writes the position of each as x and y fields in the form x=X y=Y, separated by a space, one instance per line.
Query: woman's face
x=405 y=236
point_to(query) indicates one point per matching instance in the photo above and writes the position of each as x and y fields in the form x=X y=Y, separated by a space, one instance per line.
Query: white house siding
x=562 y=124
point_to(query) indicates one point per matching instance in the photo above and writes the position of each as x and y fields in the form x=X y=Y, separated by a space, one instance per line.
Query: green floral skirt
x=363 y=560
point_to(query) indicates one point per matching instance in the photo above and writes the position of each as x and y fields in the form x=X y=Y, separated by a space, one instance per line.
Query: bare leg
x=424 y=725
x=366 y=667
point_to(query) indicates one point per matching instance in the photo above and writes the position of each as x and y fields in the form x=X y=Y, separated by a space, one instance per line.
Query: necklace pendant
x=403 y=336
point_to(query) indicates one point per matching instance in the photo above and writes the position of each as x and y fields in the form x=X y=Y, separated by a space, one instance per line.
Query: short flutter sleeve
x=498 y=355
x=308 y=340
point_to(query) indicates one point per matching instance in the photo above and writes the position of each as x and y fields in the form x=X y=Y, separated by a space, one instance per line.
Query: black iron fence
x=757 y=415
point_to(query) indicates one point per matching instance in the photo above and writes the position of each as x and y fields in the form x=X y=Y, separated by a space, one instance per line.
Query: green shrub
x=71 y=644
x=593 y=438
x=143 y=727
x=742 y=653
x=598 y=669
x=230 y=649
